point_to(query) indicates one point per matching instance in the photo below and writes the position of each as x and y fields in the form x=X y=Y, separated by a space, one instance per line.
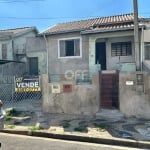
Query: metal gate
x=20 y=100
x=109 y=90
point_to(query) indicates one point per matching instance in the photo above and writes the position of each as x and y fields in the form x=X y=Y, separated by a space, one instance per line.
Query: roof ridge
x=94 y=18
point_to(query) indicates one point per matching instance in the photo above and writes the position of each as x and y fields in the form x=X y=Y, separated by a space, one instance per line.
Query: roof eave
x=102 y=31
x=61 y=32
x=27 y=31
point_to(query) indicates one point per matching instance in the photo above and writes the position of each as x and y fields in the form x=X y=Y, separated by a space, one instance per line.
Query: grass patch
x=34 y=128
x=8 y=118
x=13 y=112
x=65 y=124
x=12 y=126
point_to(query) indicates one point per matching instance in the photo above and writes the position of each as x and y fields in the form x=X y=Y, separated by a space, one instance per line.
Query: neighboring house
x=13 y=44
x=37 y=55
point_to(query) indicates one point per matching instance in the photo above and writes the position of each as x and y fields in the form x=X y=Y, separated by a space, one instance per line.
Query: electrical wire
x=19 y=1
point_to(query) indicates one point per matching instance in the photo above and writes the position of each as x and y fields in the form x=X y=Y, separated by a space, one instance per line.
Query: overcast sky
x=46 y=13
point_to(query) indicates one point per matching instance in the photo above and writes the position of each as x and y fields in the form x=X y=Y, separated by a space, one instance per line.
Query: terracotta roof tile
x=110 y=22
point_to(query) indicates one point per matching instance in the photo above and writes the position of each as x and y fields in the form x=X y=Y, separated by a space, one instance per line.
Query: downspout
x=13 y=51
x=46 y=51
x=142 y=47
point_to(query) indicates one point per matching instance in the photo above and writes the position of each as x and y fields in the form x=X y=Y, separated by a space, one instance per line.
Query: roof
x=102 y=23
x=17 y=31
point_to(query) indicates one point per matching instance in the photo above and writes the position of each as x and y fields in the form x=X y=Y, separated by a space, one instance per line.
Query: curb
x=108 y=141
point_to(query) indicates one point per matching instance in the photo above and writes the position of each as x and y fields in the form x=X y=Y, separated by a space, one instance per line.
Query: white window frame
x=72 y=38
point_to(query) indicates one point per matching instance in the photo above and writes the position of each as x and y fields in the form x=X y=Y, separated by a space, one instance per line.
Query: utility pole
x=136 y=36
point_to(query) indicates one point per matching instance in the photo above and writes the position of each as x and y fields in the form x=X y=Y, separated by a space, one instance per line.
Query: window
x=4 y=51
x=69 y=48
x=147 y=51
x=121 y=49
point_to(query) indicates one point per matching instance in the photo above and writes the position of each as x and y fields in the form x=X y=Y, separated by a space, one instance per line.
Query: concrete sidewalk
x=130 y=132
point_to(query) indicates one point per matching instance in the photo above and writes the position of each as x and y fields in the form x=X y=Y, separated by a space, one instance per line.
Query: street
x=19 y=142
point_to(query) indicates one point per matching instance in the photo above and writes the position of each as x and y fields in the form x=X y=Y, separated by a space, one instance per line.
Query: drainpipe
x=142 y=47
x=46 y=50
x=13 y=50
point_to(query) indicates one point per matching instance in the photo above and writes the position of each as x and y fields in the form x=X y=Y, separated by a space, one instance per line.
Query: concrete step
x=108 y=71
x=109 y=114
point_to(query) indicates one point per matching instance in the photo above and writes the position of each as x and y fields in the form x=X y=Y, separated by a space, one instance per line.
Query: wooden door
x=109 y=91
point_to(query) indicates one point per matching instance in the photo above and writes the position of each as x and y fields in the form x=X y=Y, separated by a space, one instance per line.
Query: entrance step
x=114 y=114
x=108 y=71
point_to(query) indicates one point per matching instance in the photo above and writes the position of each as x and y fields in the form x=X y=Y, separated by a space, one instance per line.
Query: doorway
x=101 y=54
x=109 y=91
x=33 y=66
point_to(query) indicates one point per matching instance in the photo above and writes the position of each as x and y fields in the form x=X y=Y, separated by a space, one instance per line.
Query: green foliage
x=34 y=128
x=12 y=126
x=12 y=112
x=7 y=118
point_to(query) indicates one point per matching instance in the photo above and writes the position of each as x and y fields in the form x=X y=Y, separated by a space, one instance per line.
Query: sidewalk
x=130 y=132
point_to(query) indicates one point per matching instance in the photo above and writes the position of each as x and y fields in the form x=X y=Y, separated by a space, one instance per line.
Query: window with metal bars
x=121 y=49
x=147 y=50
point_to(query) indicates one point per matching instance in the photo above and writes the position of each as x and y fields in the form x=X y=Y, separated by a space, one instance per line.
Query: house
x=37 y=55
x=13 y=47
x=83 y=44
x=79 y=49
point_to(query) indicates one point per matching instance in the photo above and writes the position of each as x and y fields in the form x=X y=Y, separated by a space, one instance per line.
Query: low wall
x=81 y=100
x=133 y=103
x=13 y=69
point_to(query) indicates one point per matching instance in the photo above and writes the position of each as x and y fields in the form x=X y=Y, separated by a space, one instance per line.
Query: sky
x=47 y=13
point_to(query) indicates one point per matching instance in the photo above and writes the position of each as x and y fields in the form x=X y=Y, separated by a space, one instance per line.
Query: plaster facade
x=16 y=45
x=133 y=103
x=108 y=38
x=58 y=65
x=82 y=100
x=36 y=47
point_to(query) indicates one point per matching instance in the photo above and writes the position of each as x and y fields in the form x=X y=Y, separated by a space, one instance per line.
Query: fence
x=19 y=97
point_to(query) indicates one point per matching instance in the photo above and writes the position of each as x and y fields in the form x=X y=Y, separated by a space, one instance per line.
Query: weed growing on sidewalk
x=12 y=126
x=33 y=128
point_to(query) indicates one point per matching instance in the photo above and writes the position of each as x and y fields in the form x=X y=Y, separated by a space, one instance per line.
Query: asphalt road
x=19 y=142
